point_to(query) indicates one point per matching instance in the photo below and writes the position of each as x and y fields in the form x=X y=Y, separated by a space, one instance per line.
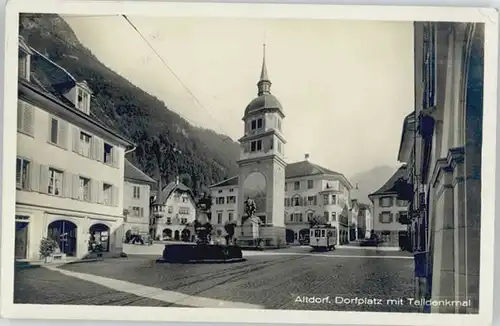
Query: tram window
x=330 y=233
x=317 y=233
x=312 y=233
x=323 y=233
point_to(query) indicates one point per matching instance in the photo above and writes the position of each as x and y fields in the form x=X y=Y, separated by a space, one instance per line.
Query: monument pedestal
x=269 y=237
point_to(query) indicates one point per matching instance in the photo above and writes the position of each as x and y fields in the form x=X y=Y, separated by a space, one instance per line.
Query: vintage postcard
x=268 y=163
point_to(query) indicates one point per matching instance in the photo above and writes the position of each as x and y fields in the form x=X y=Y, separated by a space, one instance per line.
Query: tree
x=317 y=220
x=47 y=247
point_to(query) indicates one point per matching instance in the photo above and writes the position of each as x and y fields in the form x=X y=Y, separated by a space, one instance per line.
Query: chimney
x=306 y=157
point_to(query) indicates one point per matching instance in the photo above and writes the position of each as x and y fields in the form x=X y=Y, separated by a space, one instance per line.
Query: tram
x=323 y=237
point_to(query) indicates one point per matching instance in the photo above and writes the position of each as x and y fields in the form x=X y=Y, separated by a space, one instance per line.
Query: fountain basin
x=185 y=253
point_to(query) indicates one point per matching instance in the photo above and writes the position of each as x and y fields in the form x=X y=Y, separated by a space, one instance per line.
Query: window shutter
x=63 y=134
x=34 y=176
x=67 y=184
x=44 y=179
x=28 y=118
x=76 y=139
x=99 y=192
x=315 y=200
x=99 y=149
x=93 y=146
x=93 y=191
x=20 y=109
x=75 y=187
x=115 y=157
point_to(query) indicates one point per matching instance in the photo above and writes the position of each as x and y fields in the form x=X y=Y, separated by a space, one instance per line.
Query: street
x=294 y=278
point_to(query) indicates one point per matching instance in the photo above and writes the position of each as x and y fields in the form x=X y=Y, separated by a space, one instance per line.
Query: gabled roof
x=171 y=188
x=306 y=168
x=233 y=181
x=388 y=188
x=133 y=173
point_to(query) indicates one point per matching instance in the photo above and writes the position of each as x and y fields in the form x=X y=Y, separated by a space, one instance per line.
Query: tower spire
x=264 y=84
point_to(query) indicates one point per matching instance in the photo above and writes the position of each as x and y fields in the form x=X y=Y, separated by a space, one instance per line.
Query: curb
x=26 y=266
x=204 y=261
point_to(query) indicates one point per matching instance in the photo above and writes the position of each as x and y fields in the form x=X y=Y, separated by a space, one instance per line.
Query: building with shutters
x=390 y=214
x=70 y=167
x=173 y=211
x=136 y=200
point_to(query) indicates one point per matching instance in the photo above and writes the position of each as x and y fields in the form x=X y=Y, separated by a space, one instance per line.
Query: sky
x=345 y=86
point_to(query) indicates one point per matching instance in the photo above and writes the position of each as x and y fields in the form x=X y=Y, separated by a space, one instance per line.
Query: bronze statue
x=250 y=207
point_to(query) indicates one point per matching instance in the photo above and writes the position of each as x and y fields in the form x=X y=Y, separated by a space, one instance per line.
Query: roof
x=51 y=81
x=171 y=188
x=263 y=102
x=292 y=170
x=408 y=127
x=389 y=187
x=134 y=173
x=233 y=181
x=306 y=168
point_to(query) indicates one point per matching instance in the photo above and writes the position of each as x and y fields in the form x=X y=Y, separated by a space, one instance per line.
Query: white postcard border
x=293 y=11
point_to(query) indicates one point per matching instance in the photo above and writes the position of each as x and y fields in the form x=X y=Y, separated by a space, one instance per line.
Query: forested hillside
x=199 y=156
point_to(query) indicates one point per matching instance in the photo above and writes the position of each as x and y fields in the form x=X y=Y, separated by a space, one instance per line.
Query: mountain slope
x=371 y=180
x=200 y=156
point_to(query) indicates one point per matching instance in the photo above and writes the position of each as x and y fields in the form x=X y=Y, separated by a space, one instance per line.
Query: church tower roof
x=264 y=100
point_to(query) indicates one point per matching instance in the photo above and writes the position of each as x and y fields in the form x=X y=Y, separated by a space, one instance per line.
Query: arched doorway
x=176 y=235
x=185 y=235
x=290 y=236
x=167 y=234
x=64 y=233
x=100 y=232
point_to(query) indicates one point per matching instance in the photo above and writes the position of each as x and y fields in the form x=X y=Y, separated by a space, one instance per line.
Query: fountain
x=203 y=251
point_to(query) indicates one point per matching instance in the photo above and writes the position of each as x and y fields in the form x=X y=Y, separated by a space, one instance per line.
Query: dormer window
x=83 y=100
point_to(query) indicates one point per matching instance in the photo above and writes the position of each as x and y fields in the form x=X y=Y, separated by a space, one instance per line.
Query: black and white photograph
x=279 y=164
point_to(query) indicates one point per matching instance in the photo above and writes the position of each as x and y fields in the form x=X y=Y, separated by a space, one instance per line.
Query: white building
x=173 y=213
x=389 y=211
x=310 y=190
x=136 y=200
x=224 y=203
x=69 y=166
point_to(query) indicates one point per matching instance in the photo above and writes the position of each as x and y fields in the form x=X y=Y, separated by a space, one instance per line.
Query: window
x=106 y=191
x=231 y=199
x=170 y=209
x=259 y=123
x=310 y=184
x=55 y=182
x=25 y=118
x=326 y=216
x=184 y=199
x=401 y=203
x=137 y=192
x=23 y=70
x=58 y=132
x=84 y=189
x=108 y=153
x=296 y=201
x=253 y=125
x=334 y=217
x=22 y=173
x=309 y=216
x=402 y=217
x=256 y=145
x=184 y=220
x=85 y=144
x=184 y=210
x=311 y=200
x=219 y=218
x=326 y=199
x=83 y=100
x=219 y=200
x=220 y=191
x=385 y=202
x=231 y=189
x=231 y=216
x=54 y=128
x=334 y=199
x=169 y=220
x=296 y=185
x=137 y=211
x=385 y=217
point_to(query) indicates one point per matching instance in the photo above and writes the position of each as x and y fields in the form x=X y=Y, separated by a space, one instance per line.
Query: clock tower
x=261 y=164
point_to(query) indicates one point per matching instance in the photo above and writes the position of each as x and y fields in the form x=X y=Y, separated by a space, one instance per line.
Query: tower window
x=259 y=123
x=256 y=145
x=254 y=124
